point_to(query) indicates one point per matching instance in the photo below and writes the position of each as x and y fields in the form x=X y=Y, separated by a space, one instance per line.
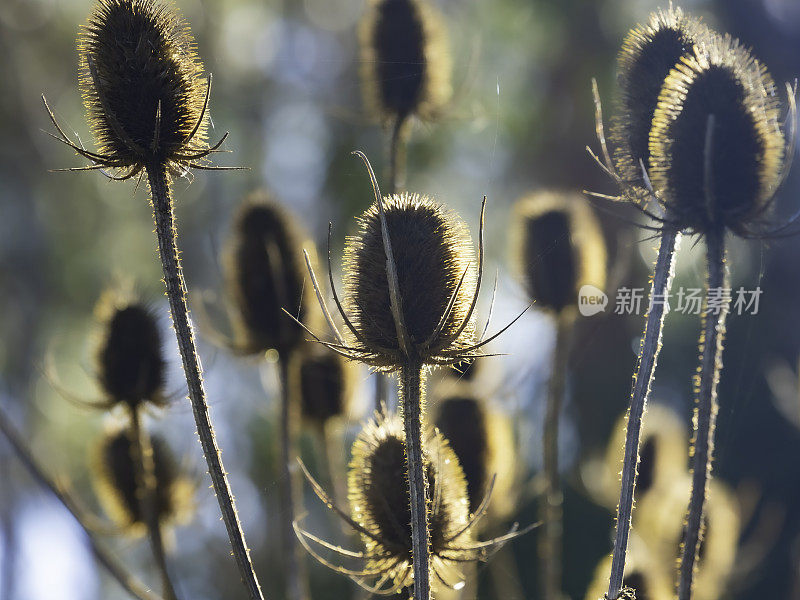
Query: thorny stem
x=550 y=544
x=115 y=568
x=163 y=212
x=705 y=411
x=295 y=577
x=648 y=357
x=145 y=470
x=411 y=395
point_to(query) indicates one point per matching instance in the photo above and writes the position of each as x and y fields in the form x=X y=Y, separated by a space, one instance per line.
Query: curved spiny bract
x=115 y=482
x=648 y=54
x=379 y=500
x=265 y=273
x=559 y=248
x=717 y=145
x=405 y=62
x=130 y=361
x=436 y=272
x=325 y=385
x=483 y=441
x=140 y=79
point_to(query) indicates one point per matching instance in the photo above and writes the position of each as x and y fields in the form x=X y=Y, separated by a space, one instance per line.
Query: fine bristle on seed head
x=648 y=54
x=432 y=251
x=130 y=360
x=115 y=482
x=717 y=145
x=405 y=62
x=378 y=492
x=266 y=272
x=559 y=248
x=325 y=385
x=140 y=82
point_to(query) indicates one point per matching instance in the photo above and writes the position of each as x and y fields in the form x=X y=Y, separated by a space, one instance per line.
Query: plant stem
x=295 y=577
x=412 y=394
x=163 y=212
x=550 y=545
x=705 y=411
x=145 y=469
x=115 y=568
x=648 y=357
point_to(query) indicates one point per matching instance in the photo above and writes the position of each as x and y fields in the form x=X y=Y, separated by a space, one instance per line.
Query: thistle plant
x=140 y=79
x=265 y=276
x=411 y=291
x=560 y=249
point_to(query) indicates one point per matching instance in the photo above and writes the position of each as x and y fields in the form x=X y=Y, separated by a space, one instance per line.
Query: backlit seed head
x=378 y=492
x=326 y=382
x=115 y=482
x=405 y=62
x=559 y=248
x=432 y=251
x=648 y=54
x=483 y=441
x=140 y=82
x=130 y=360
x=716 y=145
x=265 y=273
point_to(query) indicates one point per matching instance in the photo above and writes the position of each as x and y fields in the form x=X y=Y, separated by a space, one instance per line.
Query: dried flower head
x=265 y=275
x=405 y=63
x=716 y=144
x=483 y=441
x=325 y=385
x=130 y=360
x=648 y=54
x=559 y=248
x=380 y=512
x=115 y=482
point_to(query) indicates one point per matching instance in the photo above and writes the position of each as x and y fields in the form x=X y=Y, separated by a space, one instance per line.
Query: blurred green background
x=286 y=87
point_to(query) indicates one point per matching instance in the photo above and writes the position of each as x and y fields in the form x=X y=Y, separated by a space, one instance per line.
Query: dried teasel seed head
x=559 y=248
x=115 y=482
x=326 y=382
x=716 y=145
x=265 y=273
x=141 y=85
x=483 y=441
x=130 y=360
x=405 y=62
x=648 y=54
x=432 y=251
x=378 y=492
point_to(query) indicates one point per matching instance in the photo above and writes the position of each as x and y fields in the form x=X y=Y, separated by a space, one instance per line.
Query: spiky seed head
x=559 y=248
x=325 y=385
x=130 y=359
x=716 y=145
x=378 y=492
x=482 y=439
x=265 y=272
x=405 y=62
x=115 y=482
x=648 y=54
x=140 y=82
x=432 y=250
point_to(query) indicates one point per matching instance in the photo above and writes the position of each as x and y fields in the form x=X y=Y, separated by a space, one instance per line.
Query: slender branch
x=8 y=533
x=163 y=212
x=115 y=568
x=550 y=544
x=145 y=470
x=705 y=411
x=412 y=394
x=648 y=357
x=296 y=587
